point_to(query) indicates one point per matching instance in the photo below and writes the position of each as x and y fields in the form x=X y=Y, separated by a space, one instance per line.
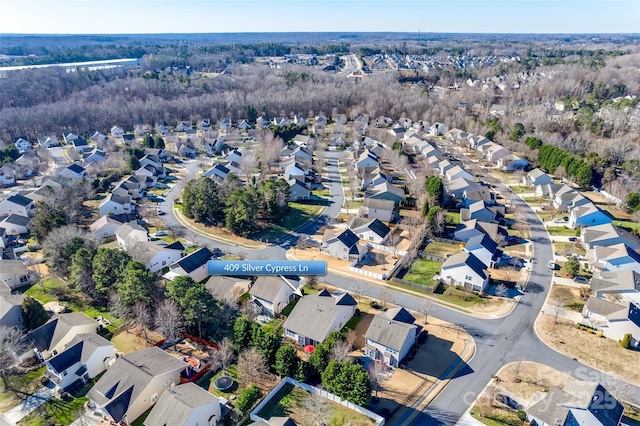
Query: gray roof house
x=50 y=339
x=15 y=224
x=224 y=287
x=369 y=229
x=317 y=315
x=271 y=294
x=465 y=270
x=11 y=311
x=606 y=235
x=613 y=320
x=386 y=191
x=537 y=177
x=577 y=403
x=18 y=204
x=391 y=335
x=15 y=274
x=106 y=226
x=342 y=244
x=481 y=211
x=471 y=228
x=300 y=191
x=377 y=209
x=185 y=405
x=134 y=384
x=626 y=284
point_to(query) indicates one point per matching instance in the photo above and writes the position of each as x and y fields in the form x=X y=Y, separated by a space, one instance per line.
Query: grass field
x=20 y=382
x=436 y=248
x=452 y=217
x=422 y=272
x=297 y=215
x=561 y=231
x=564 y=247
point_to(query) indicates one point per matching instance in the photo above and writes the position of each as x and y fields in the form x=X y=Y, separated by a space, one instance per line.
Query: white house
x=317 y=315
x=372 y=230
x=390 y=336
x=607 y=235
x=465 y=270
x=457 y=172
x=587 y=215
x=377 y=209
x=342 y=244
x=386 y=191
x=106 y=226
x=155 y=255
x=366 y=159
x=128 y=234
x=617 y=257
x=218 y=172
x=117 y=132
x=271 y=294
x=623 y=286
x=300 y=191
x=15 y=224
x=485 y=249
x=193 y=265
x=74 y=171
x=51 y=338
x=185 y=405
x=14 y=273
x=48 y=141
x=18 y=204
x=116 y=204
x=11 y=311
x=614 y=320
x=22 y=145
x=537 y=177
x=83 y=358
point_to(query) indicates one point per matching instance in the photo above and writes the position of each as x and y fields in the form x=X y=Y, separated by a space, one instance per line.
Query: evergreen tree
x=135 y=285
x=33 y=313
x=286 y=364
x=108 y=266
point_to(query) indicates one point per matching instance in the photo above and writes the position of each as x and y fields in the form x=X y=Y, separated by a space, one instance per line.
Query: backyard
x=303 y=408
x=436 y=248
x=422 y=271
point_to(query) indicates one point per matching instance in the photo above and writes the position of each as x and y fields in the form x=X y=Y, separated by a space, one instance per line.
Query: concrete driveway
x=14 y=415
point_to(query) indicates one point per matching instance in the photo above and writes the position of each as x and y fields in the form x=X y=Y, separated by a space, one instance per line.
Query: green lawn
x=287 y=311
x=19 y=382
x=354 y=321
x=458 y=297
x=422 y=272
x=298 y=214
x=452 y=217
x=561 y=231
x=563 y=247
x=321 y=193
x=436 y=248
x=58 y=410
x=43 y=289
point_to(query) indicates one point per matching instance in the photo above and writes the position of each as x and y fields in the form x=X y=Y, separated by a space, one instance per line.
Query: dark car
x=513 y=239
x=573 y=239
x=580 y=279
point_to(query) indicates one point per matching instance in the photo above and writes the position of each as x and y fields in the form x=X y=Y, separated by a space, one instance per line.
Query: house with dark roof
x=377 y=209
x=82 y=359
x=391 y=335
x=481 y=211
x=317 y=315
x=193 y=265
x=18 y=204
x=116 y=204
x=96 y=155
x=465 y=270
x=342 y=244
x=50 y=338
x=470 y=196
x=485 y=249
x=69 y=137
x=366 y=159
x=22 y=144
x=271 y=294
x=372 y=176
x=371 y=230
x=106 y=226
x=11 y=311
x=457 y=187
x=217 y=172
x=15 y=224
x=576 y=403
x=566 y=198
x=300 y=190
x=613 y=320
x=607 y=235
x=134 y=383
x=81 y=145
x=185 y=405
x=74 y=171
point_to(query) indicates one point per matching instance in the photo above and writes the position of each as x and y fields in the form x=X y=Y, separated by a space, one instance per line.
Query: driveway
x=32 y=402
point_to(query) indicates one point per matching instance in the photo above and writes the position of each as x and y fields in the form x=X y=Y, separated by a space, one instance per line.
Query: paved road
x=498 y=341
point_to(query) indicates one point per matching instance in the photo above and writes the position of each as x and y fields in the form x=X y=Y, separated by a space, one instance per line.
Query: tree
x=572 y=266
x=585 y=292
x=224 y=356
x=251 y=367
x=136 y=284
x=142 y=318
x=267 y=342
x=560 y=296
x=46 y=219
x=317 y=409
x=242 y=329
x=108 y=266
x=168 y=321
x=33 y=313
x=348 y=381
x=378 y=374
x=81 y=272
x=203 y=201
x=12 y=342
x=502 y=290
x=159 y=142
x=241 y=212
x=385 y=298
x=436 y=220
x=353 y=182
x=626 y=341
x=341 y=350
x=319 y=358
x=247 y=399
x=435 y=191
x=195 y=301
x=517 y=132
x=62 y=243
x=273 y=198
x=426 y=307
x=286 y=364
x=359 y=288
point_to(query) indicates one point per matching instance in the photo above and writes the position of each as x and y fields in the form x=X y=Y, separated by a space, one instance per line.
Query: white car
x=558 y=220
x=161 y=234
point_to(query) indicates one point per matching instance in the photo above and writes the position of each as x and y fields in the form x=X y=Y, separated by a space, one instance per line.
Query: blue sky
x=204 y=16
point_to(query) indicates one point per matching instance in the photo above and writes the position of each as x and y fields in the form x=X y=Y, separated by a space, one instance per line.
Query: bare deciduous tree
x=224 y=356
x=378 y=374
x=560 y=296
x=502 y=290
x=11 y=342
x=248 y=163
x=341 y=350
x=142 y=318
x=427 y=307
x=317 y=409
x=252 y=368
x=168 y=321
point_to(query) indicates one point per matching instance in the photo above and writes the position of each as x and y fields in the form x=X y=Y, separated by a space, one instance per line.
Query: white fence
x=254 y=414
x=384 y=276
x=610 y=197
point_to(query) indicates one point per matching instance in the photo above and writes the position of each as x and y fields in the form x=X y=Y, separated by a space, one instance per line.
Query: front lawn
x=422 y=272
x=61 y=411
x=298 y=214
x=459 y=297
x=19 y=383
x=564 y=231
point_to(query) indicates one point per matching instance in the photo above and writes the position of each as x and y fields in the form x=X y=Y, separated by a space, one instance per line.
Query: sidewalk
x=32 y=402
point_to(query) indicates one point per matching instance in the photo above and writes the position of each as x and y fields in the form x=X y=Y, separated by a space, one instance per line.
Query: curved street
x=498 y=341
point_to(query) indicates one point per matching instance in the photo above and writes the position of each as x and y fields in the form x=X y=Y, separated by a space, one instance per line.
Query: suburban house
x=134 y=383
x=317 y=315
x=377 y=209
x=577 y=403
x=494 y=152
x=130 y=186
x=193 y=265
x=457 y=172
x=96 y=155
x=301 y=140
x=443 y=166
x=480 y=211
x=18 y=204
x=155 y=255
x=228 y=288
x=457 y=187
x=183 y=126
x=547 y=190
x=98 y=137
x=471 y=228
x=82 y=359
x=567 y=198
x=11 y=311
x=373 y=176
x=536 y=177
x=485 y=249
x=116 y=204
x=48 y=141
x=185 y=405
x=366 y=159
x=129 y=234
x=622 y=285
x=607 y=235
x=386 y=191
x=117 y=132
x=271 y=294
x=262 y=122
x=146 y=175
x=217 y=172
x=69 y=137
x=74 y=171
x=295 y=169
x=342 y=244
x=613 y=258
x=465 y=270
x=22 y=145
x=106 y=225
x=390 y=336
x=372 y=230
x=15 y=274
x=81 y=145
x=7 y=176
x=614 y=320
x=51 y=338
x=470 y=196
x=15 y=224
x=300 y=191
x=587 y=215
x=512 y=163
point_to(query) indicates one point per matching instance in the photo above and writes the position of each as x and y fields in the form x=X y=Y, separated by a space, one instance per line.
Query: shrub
x=522 y=415
x=626 y=341
x=247 y=398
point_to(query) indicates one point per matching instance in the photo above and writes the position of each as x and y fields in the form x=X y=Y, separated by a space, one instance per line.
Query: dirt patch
x=598 y=352
x=134 y=340
x=528 y=378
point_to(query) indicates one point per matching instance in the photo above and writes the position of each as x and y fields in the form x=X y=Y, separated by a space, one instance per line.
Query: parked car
x=573 y=239
x=552 y=265
x=161 y=213
x=580 y=279
x=558 y=220
x=513 y=239
x=161 y=233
